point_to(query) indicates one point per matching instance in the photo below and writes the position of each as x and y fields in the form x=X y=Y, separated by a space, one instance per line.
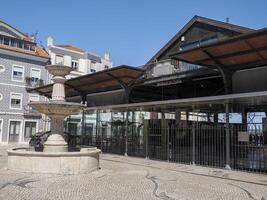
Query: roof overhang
x=207 y=103
x=240 y=52
x=106 y=80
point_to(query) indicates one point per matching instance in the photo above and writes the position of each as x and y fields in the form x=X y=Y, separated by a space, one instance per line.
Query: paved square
x=133 y=178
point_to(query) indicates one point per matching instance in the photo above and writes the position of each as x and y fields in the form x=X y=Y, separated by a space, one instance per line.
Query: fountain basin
x=57 y=107
x=24 y=160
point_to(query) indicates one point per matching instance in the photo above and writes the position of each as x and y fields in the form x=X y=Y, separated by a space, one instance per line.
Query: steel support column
x=193 y=143
x=226 y=74
x=193 y=136
x=97 y=125
x=127 y=91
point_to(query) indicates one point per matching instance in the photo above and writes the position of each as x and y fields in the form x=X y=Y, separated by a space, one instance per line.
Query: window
x=13 y=42
x=17 y=73
x=1 y=39
x=30 y=129
x=27 y=46
x=74 y=65
x=59 y=59
x=35 y=76
x=106 y=67
x=92 y=70
x=20 y=44
x=6 y=41
x=2 y=68
x=33 y=97
x=15 y=100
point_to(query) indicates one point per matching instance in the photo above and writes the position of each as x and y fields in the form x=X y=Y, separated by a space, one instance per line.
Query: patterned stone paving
x=131 y=178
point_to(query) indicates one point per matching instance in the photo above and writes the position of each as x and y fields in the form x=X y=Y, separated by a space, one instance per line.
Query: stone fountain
x=55 y=157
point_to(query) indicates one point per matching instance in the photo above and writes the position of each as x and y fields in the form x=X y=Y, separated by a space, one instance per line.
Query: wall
x=7 y=86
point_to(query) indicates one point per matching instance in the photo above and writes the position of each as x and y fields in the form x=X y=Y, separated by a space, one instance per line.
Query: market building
x=207 y=108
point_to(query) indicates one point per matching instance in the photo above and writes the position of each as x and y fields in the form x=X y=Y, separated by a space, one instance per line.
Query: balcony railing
x=33 y=82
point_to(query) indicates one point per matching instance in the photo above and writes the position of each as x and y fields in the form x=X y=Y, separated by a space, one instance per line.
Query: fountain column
x=58 y=93
x=57 y=109
x=56 y=142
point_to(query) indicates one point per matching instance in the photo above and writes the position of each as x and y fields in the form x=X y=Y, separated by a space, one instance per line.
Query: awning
x=106 y=80
x=239 y=52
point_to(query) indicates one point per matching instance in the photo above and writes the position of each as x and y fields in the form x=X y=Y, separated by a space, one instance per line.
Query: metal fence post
x=193 y=143
x=227 y=132
x=126 y=133
x=145 y=131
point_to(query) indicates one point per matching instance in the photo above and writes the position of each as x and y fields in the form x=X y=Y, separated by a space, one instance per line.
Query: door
x=1 y=123
x=29 y=130
x=14 y=130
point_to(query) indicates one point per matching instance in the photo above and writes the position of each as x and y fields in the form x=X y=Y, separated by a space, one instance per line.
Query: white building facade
x=81 y=61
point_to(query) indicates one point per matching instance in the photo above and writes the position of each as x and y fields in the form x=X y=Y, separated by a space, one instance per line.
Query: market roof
x=202 y=20
x=106 y=80
x=243 y=51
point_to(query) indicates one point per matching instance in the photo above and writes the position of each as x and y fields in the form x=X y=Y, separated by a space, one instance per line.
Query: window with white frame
x=15 y=101
x=30 y=128
x=74 y=65
x=35 y=75
x=2 y=68
x=33 y=97
x=59 y=59
x=17 y=73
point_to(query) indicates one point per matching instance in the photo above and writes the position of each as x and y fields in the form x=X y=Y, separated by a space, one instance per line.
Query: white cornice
x=15 y=85
x=63 y=49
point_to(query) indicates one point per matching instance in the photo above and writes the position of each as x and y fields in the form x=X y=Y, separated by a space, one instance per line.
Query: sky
x=131 y=30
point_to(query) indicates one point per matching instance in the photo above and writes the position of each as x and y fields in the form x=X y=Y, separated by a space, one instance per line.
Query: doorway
x=14 y=130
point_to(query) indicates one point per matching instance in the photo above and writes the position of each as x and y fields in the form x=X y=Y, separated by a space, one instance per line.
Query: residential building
x=22 y=66
x=81 y=61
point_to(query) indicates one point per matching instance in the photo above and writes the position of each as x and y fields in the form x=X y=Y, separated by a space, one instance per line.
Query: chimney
x=227 y=20
x=50 y=41
x=107 y=56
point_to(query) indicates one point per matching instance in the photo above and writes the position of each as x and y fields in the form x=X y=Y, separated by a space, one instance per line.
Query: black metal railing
x=200 y=143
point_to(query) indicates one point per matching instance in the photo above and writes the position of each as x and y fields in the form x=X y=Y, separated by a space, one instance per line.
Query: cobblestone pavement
x=132 y=178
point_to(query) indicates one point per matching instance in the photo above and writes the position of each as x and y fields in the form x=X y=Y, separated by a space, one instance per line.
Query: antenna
x=34 y=36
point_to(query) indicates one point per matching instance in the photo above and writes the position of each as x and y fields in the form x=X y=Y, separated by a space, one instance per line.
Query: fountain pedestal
x=55 y=143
